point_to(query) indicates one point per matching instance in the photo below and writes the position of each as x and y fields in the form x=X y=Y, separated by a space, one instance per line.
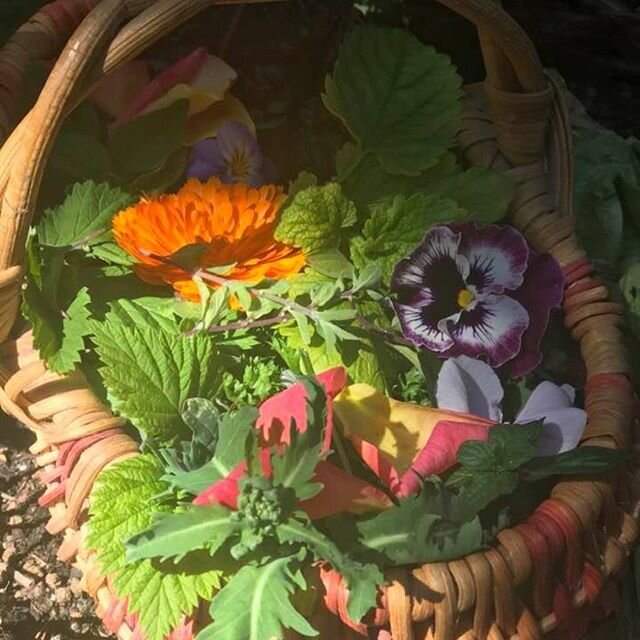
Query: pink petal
x=377 y=462
x=440 y=452
x=182 y=71
x=184 y=631
x=116 y=92
x=342 y=492
x=280 y=412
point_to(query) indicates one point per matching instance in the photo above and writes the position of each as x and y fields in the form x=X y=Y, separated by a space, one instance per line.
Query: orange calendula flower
x=212 y=225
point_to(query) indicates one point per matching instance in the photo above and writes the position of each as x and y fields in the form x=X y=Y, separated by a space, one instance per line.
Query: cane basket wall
x=528 y=585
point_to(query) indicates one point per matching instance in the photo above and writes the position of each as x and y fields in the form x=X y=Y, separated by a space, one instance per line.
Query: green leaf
x=396 y=227
x=255 y=604
x=122 y=504
x=414 y=533
x=81 y=156
x=230 y=451
x=362 y=580
x=149 y=373
x=583 y=460
x=111 y=253
x=75 y=327
x=397 y=97
x=316 y=217
x=143 y=144
x=144 y=312
x=202 y=417
x=630 y=286
x=330 y=263
x=84 y=217
x=173 y=535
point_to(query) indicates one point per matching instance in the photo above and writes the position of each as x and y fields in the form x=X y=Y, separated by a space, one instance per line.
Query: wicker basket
x=528 y=585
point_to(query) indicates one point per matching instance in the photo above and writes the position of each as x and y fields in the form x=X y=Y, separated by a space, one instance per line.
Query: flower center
x=465 y=298
x=239 y=164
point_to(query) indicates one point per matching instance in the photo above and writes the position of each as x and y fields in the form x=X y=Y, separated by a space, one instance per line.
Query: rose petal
x=440 y=452
x=563 y=424
x=469 y=386
x=541 y=292
x=116 y=91
x=492 y=328
x=497 y=256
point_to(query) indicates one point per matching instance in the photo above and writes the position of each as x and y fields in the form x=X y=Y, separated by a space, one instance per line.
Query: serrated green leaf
x=122 y=504
x=395 y=227
x=315 y=218
x=397 y=97
x=255 y=604
x=142 y=145
x=149 y=373
x=75 y=328
x=173 y=535
x=144 y=312
x=84 y=218
x=111 y=253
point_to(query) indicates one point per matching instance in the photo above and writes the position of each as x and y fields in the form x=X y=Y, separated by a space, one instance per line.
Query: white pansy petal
x=469 y=386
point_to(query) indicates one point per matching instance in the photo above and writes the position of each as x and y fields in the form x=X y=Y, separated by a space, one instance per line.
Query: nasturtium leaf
x=255 y=604
x=173 y=535
x=316 y=217
x=142 y=145
x=396 y=227
x=149 y=373
x=398 y=98
x=122 y=504
x=84 y=218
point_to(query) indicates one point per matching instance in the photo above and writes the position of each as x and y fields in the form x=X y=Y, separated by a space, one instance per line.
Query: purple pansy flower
x=478 y=291
x=233 y=156
x=471 y=386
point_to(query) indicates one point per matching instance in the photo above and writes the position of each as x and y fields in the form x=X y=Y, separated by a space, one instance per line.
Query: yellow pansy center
x=239 y=164
x=465 y=298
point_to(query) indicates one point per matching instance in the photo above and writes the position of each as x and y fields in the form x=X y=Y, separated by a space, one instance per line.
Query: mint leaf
x=149 y=373
x=143 y=145
x=255 y=604
x=397 y=97
x=84 y=218
x=315 y=218
x=122 y=503
x=173 y=535
x=395 y=227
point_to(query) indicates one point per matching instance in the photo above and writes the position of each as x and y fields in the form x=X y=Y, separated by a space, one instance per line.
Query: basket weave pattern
x=529 y=584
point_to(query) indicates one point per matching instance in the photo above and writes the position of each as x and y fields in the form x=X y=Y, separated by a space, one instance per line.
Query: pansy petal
x=469 y=386
x=541 y=292
x=498 y=256
x=417 y=327
x=206 y=160
x=492 y=328
x=440 y=452
x=563 y=424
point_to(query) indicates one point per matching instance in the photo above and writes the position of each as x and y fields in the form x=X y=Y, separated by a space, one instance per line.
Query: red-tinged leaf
x=377 y=462
x=182 y=71
x=342 y=492
x=440 y=452
x=225 y=492
x=280 y=412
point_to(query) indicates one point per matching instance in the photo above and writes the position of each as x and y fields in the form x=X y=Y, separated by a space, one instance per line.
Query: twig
x=250 y=324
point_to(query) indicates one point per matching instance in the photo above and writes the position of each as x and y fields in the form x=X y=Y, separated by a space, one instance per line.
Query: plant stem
x=250 y=324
